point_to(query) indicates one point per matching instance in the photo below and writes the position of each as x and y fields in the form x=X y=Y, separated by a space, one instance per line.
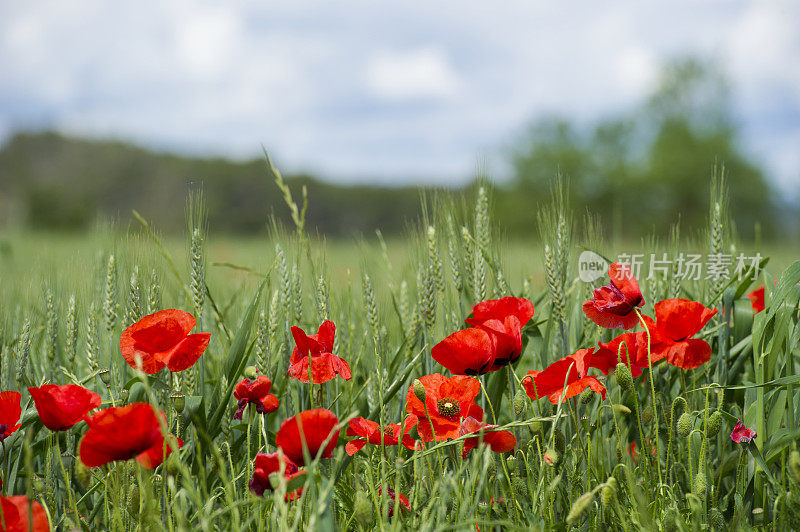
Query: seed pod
x=794 y=465
x=684 y=424
x=511 y=463
x=133 y=499
x=362 y=509
x=251 y=372
x=483 y=507
x=105 y=376
x=178 y=401
x=579 y=507
x=520 y=402
x=624 y=377
x=419 y=390
x=647 y=415
x=758 y=516
x=700 y=484
x=713 y=425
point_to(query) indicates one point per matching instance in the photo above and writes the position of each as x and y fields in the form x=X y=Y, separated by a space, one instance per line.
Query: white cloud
x=419 y=73
x=363 y=90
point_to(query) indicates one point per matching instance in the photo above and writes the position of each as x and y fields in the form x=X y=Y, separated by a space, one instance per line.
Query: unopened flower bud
x=670 y=520
x=362 y=509
x=579 y=507
x=714 y=424
x=684 y=424
x=624 y=377
x=715 y=518
x=520 y=402
x=133 y=499
x=491 y=468
x=647 y=415
x=619 y=408
x=251 y=372
x=419 y=390
x=586 y=396
x=700 y=484
x=83 y=474
x=794 y=465
x=608 y=492
x=560 y=441
x=551 y=457
x=520 y=486
x=173 y=466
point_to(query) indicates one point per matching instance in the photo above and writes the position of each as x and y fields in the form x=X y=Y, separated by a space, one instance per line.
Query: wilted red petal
x=311 y=427
x=148 y=340
x=120 y=433
x=465 y=352
x=551 y=381
x=742 y=434
x=187 y=352
x=622 y=278
x=267 y=464
x=499 y=441
x=613 y=306
x=60 y=407
x=10 y=411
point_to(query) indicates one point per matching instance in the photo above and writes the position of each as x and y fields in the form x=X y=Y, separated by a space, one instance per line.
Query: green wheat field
x=617 y=444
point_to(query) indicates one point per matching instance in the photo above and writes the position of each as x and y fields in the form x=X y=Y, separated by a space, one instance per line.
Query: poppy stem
x=653 y=392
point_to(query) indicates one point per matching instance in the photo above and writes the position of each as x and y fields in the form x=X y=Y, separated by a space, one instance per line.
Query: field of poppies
x=571 y=385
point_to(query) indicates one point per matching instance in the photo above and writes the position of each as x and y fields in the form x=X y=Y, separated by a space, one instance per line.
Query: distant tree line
x=639 y=172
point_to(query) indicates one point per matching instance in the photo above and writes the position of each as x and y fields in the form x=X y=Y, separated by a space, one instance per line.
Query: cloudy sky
x=382 y=91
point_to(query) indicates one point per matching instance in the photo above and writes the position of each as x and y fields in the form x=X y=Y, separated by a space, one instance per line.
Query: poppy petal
x=119 y=433
x=689 y=354
x=679 y=319
x=309 y=429
x=465 y=352
x=186 y=353
x=61 y=407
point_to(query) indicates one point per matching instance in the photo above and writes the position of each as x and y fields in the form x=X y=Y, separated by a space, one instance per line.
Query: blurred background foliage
x=640 y=171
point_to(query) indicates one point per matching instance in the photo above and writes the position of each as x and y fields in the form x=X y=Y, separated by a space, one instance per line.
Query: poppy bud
x=700 y=485
x=608 y=492
x=684 y=424
x=579 y=507
x=713 y=425
x=251 y=372
x=105 y=376
x=520 y=402
x=670 y=520
x=82 y=474
x=647 y=415
x=173 y=467
x=419 y=390
x=624 y=377
x=178 y=401
x=715 y=518
x=511 y=462
x=794 y=465
x=520 y=486
x=621 y=409
x=491 y=468
x=362 y=509
x=133 y=499
x=560 y=441
x=586 y=396
x=551 y=457
x=535 y=427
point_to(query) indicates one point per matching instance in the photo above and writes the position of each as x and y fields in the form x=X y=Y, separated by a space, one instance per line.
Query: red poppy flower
x=628 y=348
x=447 y=401
x=163 y=339
x=392 y=495
x=256 y=392
x=268 y=464
x=677 y=320
x=756 y=298
x=500 y=441
x=373 y=434
x=10 y=411
x=614 y=306
x=494 y=340
x=60 y=407
x=310 y=428
x=550 y=382
x=742 y=434
x=16 y=510
x=319 y=349
x=125 y=432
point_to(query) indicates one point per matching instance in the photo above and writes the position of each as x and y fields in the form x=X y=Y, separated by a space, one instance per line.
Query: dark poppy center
x=3 y=429
x=449 y=408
